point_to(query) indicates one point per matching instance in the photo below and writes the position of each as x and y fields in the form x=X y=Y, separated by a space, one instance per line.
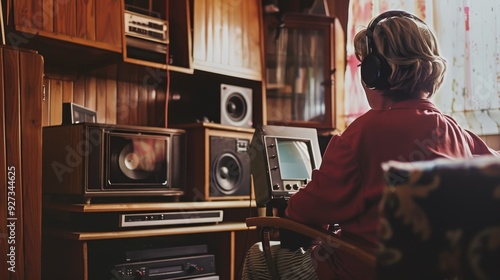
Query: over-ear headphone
x=375 y=70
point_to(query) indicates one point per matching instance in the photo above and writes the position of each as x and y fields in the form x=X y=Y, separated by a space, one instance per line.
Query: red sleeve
x=478 y=146
x=334 y=194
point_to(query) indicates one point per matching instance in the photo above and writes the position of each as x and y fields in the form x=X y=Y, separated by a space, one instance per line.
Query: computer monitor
x=282 y=161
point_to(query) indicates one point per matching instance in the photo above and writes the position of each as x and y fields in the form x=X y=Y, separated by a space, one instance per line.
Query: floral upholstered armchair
x=441 y=220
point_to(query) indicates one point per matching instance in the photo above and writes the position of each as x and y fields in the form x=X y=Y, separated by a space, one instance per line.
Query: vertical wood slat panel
x=67 y=91
x=13 y=153
x=46 y=103
x=56 y=100
x=86 y=21
x=91 y=93
x=79 y=91
x=111 y=96
x=234 y=40
x=199 y=23
x=31 y=74
x=101 y=100
x=151 y=108
x=4 y=272
x=65 y=17
x=219 y=30
x=106 y=16
x=48 y=15
x=130 y=99
x=29 y=14
x=122 y=105
x=133 y=96
x=253 y=51
x=142 y=105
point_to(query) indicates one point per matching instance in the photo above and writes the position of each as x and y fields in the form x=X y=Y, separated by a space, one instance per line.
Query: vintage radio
x=146 y=34
x=90 y=160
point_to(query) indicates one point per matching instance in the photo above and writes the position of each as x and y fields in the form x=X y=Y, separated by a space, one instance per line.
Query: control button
x=295 y=186
x=276 y=187
x=288 y=187
x=190 y=268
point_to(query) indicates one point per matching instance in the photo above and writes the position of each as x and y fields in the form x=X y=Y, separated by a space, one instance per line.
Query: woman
x=401 y=67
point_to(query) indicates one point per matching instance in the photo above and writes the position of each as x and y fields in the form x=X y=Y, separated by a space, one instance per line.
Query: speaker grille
x=229 y=166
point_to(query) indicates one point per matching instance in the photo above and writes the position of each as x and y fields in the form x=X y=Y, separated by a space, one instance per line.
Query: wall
x=120 y=94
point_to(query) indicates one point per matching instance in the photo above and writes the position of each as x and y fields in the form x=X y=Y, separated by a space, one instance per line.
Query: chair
x=440 y=219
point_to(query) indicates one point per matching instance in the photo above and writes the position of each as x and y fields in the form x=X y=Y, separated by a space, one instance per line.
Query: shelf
x=155 y=206
x=86 y=236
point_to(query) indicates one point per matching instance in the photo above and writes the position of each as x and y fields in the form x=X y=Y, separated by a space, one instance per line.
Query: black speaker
x=218 y=162
x=229 y=166
x=236 y=106
x=375 y=70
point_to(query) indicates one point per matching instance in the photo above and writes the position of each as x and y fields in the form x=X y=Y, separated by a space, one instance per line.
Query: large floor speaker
x=236 y=106
x=218 y=162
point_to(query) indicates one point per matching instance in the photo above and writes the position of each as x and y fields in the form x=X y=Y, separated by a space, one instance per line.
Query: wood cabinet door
x=227 y=37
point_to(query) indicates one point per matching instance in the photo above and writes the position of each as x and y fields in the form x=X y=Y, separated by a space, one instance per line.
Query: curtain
x=469 y=36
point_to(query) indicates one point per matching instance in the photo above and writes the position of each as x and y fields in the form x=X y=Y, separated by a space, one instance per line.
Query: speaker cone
x=227 y=173
x=236 y=106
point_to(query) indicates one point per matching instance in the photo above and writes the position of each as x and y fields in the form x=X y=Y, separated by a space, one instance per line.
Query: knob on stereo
x=191 y=268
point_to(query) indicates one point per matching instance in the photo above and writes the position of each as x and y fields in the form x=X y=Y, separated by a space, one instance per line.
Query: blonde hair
x=411 y=49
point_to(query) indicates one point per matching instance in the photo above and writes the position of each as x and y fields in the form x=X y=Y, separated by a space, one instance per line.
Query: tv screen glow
x=294 y=159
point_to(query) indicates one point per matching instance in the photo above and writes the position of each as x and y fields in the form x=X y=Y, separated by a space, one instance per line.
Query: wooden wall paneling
x=133 y=95
x=111 y=95
x=46 y=103
x=122 y=100
x=199 y=23
x=79 y=91
x=233 y=40
x=29 y=14
x=151 y=108
x=65 y=17
x=67 y=91
x=56 y=97
x=31 y=74
x=161 y=108
x=254 y=59
x=109 y=21
x=91 y=92
x=142 y=109
x=4 y=246
x=86 y=19
x=101 y=100
x=48 y=15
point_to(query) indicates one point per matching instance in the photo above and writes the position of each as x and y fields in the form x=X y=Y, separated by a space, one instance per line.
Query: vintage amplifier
x=146 y=34
x=90 y=160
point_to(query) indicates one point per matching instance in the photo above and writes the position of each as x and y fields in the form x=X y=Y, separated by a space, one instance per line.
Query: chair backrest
x=441 y=220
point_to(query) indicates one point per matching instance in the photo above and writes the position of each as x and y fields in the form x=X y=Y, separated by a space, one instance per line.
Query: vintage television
x=102 y=160
x=282 y=160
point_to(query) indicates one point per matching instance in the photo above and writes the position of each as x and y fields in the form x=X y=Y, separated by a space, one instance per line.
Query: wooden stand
x=83 y=255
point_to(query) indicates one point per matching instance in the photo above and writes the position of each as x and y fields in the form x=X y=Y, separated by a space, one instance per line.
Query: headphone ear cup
x=375 y=71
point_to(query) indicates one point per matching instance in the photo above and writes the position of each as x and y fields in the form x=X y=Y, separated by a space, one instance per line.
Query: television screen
x=294 y=159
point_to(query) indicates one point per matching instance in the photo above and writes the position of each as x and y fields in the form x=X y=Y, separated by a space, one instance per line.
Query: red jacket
x=347 y=188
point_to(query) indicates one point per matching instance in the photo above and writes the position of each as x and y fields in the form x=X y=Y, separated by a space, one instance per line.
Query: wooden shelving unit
x=89 y=254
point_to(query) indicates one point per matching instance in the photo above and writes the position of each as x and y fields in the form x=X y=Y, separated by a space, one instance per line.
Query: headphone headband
x=374 y=68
